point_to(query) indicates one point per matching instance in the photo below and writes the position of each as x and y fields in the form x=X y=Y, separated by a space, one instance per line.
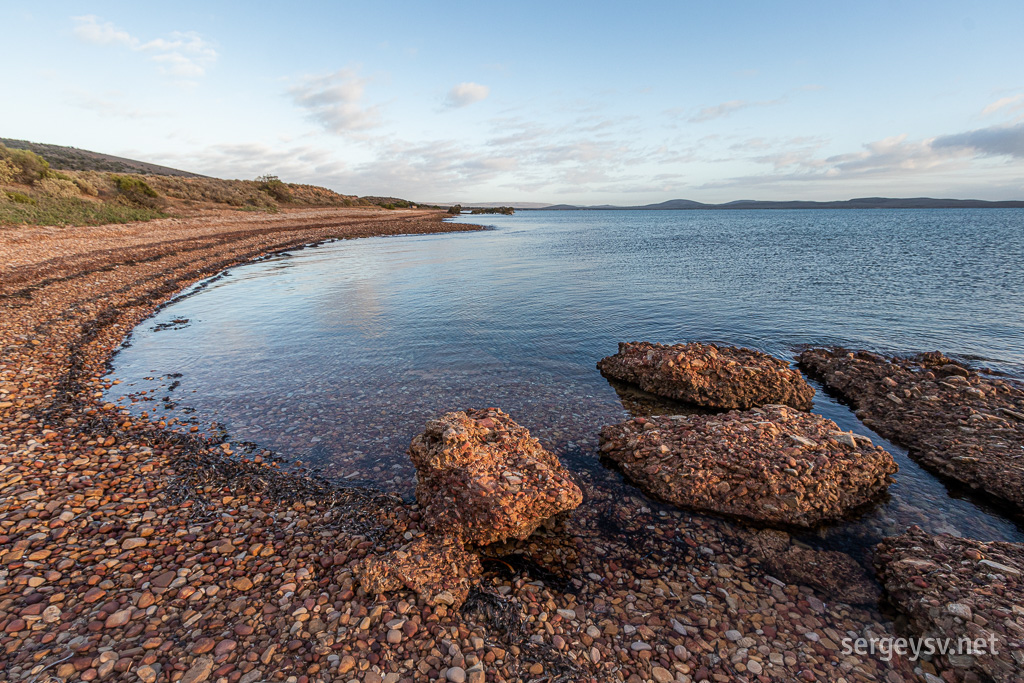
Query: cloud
x=184 y=55
x=1013 y=103
x=992 y=141
x=465 y=94
x=335 y=101
x=727 y=108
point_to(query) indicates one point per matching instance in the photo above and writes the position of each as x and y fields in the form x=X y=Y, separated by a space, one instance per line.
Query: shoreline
x=130 y=552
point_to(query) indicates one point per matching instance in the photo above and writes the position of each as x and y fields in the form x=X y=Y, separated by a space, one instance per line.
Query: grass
x=72 y=211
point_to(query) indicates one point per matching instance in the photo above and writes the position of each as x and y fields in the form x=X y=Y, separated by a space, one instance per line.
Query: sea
x=337 y=355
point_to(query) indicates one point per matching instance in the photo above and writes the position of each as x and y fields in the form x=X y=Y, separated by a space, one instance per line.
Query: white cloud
x=1011 y=103
x=184 y=55
x=727 y=108
x=335 y=101
x=465 y=94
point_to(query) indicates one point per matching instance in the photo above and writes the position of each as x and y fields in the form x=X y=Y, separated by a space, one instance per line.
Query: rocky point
x=965 y=425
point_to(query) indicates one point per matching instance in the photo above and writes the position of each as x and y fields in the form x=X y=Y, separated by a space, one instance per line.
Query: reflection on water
x=338 y=355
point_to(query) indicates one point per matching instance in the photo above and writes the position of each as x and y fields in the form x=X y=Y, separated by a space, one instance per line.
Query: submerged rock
x=953 y=420
x=773 y=465
x=955 y=588
x=834 y=574
x=438 y=569
x=482 y=477
x=728 y=377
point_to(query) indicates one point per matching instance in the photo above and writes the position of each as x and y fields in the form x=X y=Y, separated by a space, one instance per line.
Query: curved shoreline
x=130 y=552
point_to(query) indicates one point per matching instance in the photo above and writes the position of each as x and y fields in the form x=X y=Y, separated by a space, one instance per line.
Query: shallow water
x=338 y=355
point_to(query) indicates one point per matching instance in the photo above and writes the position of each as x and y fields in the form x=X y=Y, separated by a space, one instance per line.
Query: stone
x=438 y=569
x=958 y=596
x=199 y=671
x=721 y=377
x=662 y=675
x=118 y=618
x=745 y=464
x=482 y=477
x=456 y=674
x=943 y=412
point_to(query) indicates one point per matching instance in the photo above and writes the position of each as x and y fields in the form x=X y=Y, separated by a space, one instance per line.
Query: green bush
x=273 y=186
x=20 y=198
x=134 y=191
x=28 y=166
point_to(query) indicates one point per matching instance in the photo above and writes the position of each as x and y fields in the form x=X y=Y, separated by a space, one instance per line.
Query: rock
x=199 y=671
x=956 y=422
x=243 y=583
x=662 y=675
x=456 y=674
x=754 y=667
x=958 y=597
x=132 y=543
x=835 y=574
x=708 y=375
x=146 y=674
x=480 y=476
x=748 y=465
x=438 y=569
x=118 y=618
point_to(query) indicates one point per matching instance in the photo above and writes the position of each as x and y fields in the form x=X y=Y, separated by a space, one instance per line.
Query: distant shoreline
x=746 y=205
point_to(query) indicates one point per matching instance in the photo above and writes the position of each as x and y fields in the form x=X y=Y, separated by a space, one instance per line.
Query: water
x=338 y=355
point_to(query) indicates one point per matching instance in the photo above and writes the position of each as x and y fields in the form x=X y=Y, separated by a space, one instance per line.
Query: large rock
x=438 y=569
x=964 y=425
x=727 y=377
x=955 y=588
x=482 y=477
x=773 y=464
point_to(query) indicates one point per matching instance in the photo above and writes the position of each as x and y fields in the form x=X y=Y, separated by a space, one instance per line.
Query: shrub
x=455 y=210
x=28 y=166
x=85 y=187
x=7 y=171
x=134 y=191
x=273 y=186
x=20 y=198
x=59 y=187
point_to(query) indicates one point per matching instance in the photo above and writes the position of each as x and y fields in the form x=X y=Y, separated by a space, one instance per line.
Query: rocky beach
x=136 y=549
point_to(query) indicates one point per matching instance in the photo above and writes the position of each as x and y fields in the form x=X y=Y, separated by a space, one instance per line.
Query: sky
x=576 y=102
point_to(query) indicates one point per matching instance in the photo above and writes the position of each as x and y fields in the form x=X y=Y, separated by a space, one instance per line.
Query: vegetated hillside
x=63 y=158
x=34 y=191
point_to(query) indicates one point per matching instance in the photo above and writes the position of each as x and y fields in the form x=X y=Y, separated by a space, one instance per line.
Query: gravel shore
x=131 y=552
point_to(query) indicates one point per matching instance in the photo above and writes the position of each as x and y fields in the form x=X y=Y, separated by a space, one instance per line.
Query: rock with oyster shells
x=720 y=377
x=773 y=465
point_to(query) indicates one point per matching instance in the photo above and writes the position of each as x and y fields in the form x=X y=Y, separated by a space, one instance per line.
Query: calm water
x=338 y=355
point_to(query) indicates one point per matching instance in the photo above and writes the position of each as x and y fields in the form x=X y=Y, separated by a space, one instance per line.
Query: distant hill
x=73 y=159
x=861 y=203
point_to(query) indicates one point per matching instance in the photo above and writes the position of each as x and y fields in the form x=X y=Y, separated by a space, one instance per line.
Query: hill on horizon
x=62 y=158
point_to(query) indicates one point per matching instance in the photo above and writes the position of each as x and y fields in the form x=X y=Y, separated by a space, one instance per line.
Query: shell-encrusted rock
x=482 y=477
x=774 y=465
x=726 y=377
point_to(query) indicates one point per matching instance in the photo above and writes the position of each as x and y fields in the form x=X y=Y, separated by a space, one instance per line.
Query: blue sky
x=589 y=102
